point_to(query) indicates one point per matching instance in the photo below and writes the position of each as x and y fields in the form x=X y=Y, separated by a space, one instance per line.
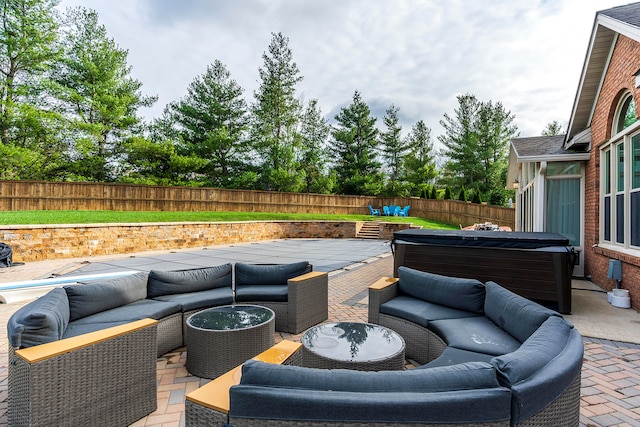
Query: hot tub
x=535 y=265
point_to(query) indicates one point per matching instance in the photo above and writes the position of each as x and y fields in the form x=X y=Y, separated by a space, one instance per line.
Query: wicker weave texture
x=564 y=411
x=169 y=333
x=113 y=381
x=392 y=363
x=377 y=297
x=307 y=304
x=415 y=337
x=248 y=422
x=211 y=353
x=198 y=415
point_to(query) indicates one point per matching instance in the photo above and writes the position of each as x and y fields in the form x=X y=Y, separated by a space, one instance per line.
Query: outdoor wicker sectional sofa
x=87 y=352
x=490 y=358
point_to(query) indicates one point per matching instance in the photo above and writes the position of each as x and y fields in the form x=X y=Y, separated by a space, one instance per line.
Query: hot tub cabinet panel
x=537 y=266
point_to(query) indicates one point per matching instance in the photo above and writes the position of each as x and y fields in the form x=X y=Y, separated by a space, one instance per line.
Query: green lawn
x=87 y=217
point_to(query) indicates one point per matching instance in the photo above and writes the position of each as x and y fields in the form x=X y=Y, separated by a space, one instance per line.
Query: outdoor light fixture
x=516 y=184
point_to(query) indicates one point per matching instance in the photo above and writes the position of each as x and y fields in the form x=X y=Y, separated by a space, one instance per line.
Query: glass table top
x=352 y=341
x=230 y=317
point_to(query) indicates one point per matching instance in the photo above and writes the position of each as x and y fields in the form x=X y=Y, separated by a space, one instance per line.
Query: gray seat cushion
x=89 y=298
x=454 y=292
x=134 y=311
x=270 y=293
x=467 y=376
x=203 y=299
x=192 y=280
x=419 y=311
x=455 y=394
x=470 y=407
x=269 y=274
x=477 y=334
x=553 y=380
x=538 y=350
x=453 y=356
x=73 y=330
x=41 y=321
x=518 y=316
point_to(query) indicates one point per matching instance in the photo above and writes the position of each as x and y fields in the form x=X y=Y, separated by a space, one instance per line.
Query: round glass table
x=221 y=338
x=353 y=345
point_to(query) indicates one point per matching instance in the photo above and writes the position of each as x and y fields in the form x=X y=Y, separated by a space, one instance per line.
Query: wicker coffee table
x=221 y=338
x=352 y=345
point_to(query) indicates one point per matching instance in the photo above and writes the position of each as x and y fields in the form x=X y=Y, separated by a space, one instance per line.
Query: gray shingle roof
x=539 y=146
x=629 y=14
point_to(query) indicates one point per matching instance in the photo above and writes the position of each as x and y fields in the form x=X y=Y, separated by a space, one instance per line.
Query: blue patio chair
x=385 y=210
x=396 y=211
x=404 y=211
x=374 y=211
x=392 y=209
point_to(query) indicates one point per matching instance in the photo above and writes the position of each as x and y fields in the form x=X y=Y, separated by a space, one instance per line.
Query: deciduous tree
x=29 y=142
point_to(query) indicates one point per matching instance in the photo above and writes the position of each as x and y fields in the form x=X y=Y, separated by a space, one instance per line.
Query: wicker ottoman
x=221 y=338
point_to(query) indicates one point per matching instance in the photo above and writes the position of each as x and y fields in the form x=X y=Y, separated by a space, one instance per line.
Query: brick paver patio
x=610 y=394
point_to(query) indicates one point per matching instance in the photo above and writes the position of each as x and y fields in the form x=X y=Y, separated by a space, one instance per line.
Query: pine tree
x=476 y=141
x=392 y=145
x=99 y=96
x=212 y=121
x=314 y=133
x=447 y=194
x=355 y=144
x=419 y=164
x=276 y=115
x=462 y=195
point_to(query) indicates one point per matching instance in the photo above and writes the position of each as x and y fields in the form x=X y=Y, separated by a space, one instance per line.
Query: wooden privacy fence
x=40 y=195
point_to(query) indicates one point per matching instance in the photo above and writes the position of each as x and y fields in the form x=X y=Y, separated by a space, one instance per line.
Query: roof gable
x=607 y=26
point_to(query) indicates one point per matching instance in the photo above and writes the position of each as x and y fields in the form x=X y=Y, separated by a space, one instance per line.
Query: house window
x=620 y=180
x=620 y=200
x=626 y=113
x=635 y=191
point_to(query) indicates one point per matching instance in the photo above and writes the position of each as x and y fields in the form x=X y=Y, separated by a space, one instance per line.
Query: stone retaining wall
x=44 y=242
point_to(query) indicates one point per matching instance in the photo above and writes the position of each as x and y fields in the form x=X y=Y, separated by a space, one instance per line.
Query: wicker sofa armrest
x=308 y=300
x=105 y=375
x=381 y=291
x=209 y=405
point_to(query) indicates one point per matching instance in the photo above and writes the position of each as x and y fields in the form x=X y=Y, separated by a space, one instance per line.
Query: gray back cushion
x=454 y=292
x=269 y=274
x=193 y=280
x=93 y=297
x=540 y=348
x=41 y=321
x=465 y=376
x=513 y=313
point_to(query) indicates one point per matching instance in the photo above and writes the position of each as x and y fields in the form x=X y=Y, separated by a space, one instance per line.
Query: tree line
x=69 y=112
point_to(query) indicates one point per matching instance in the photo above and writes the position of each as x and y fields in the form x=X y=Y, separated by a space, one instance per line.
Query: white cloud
x=418 y=55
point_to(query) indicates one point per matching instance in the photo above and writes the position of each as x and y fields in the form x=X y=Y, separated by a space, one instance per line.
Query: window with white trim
x=620 y=181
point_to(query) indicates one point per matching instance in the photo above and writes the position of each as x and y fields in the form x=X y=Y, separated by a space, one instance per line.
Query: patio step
x=369 y=230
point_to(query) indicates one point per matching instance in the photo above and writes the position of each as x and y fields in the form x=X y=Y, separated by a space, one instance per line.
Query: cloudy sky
x=418 y=55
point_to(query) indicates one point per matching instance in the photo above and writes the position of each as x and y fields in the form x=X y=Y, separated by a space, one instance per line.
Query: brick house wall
x=619 y=78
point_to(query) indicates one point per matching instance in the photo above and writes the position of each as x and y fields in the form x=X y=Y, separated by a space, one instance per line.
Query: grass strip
x=105 y=217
